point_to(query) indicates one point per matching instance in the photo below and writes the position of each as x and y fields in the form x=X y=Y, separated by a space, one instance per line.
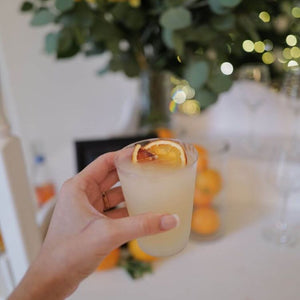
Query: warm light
x=226 y=68
x=179 y=96
x=268 y=58
x=191 y=107
x=296 y=12
x=268 y=45
x=264 y=16
x=178 y=58
x=291 y=40
x=259 y=47
x=287 y=53
x=292 y=63
x=295 y=52
x=248 y=46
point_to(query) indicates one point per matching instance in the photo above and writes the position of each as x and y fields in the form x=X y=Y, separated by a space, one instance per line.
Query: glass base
x=279 y=237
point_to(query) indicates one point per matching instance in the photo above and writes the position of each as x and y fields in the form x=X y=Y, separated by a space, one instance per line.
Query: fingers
x=99 y=168
x=131 y=228
x=117 y=213
x=114 y=197
x=111 y=178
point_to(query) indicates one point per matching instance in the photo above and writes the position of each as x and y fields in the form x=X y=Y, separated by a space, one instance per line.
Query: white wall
x=57 y=102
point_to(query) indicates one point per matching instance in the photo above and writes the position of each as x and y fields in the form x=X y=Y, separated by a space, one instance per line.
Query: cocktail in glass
x=156 y=188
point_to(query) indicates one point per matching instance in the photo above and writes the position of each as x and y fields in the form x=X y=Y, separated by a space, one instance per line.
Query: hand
x=82 y=233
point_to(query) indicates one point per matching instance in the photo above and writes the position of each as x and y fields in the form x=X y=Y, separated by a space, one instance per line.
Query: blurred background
x=82 y=77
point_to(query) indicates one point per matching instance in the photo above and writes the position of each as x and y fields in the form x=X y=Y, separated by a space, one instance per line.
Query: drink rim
x=184 y=144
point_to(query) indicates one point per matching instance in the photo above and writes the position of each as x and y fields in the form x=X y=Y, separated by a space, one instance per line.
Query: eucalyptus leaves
x=190 y=38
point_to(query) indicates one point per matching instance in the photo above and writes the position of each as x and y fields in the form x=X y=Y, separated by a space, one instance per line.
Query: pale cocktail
x=160 y=188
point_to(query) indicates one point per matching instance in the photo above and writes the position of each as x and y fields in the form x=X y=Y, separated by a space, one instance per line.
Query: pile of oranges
x=205 y=220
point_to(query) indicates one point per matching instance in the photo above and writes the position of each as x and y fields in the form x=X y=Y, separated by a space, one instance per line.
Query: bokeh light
x=178 y=58
x=172 y=106
x=291 y=40
x=295 y=52
x=296 y=12
x=287 y=53
x=226 y=68
x=190 y=107
x=292 y=63
x=268 y=45
x=259 y=47
x=248 y=46
x=268 y=58
x=179 y=96
x=265 y=16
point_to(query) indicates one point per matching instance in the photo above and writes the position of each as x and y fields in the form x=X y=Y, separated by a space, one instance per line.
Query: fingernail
x=168 y=222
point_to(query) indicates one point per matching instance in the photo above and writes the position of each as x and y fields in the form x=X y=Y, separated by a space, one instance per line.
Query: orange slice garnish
x=140 y=154
x=161 y=151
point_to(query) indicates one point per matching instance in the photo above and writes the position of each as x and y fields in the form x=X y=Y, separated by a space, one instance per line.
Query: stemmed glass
x=285 y=176
x=253 y=81
x=290 y=91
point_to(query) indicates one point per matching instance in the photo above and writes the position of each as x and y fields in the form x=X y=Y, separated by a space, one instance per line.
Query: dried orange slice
x=167 y=151
x=140 y=154
x=160 y=151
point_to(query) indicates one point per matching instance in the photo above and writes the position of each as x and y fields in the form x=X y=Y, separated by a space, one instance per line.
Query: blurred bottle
x=42 y=181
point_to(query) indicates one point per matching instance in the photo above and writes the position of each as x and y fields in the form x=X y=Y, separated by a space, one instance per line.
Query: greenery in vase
x=190 y=38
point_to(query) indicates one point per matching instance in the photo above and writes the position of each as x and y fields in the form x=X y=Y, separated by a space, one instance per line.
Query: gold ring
x=105 y=201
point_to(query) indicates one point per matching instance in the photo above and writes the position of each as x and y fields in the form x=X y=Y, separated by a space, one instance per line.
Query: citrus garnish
x=160 y=151
x=205 y=221
x=140 y=154
x=167 y=152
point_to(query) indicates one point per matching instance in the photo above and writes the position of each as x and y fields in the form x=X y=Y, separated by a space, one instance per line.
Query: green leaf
x=178 y=44
x=135 y=268
x=223 y=23
x=167 y=37
x=26 y=6
x=205 y=98
x=176 y=18
x=134 y=19
x=42 y=17
x=64 y=5
x=196 y=73
x=67 y=46
x=220 y=83
x=217 y=8
x=104 y=70
x=51 y=42
x=203 y=35
x=230 y=3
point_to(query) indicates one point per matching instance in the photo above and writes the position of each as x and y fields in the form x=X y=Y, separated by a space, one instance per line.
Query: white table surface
x=241 y=265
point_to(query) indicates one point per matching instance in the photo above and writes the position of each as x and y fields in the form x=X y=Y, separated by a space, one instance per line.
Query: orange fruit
x=138 y=253
x=205 y=221
x=164 y=133
x=110 y=261
x=202 y=199
x=202 y=158
x=161 y=151
x=209 y=181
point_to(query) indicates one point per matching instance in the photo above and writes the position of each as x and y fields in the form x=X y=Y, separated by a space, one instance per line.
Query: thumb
x=130 y=228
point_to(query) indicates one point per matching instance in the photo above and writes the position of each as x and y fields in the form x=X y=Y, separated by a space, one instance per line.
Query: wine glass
x=254 y=80
x=285 y=176
x=290 y=92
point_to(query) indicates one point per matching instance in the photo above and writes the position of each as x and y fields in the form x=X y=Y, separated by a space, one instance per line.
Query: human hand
x=82 y=232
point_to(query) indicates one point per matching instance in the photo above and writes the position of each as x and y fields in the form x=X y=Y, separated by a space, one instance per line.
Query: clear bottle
x=43 y=184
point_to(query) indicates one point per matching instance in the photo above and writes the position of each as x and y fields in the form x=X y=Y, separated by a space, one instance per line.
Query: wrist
x=43 y=280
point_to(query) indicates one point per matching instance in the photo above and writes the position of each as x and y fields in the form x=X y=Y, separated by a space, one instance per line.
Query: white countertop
x=241 y=265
